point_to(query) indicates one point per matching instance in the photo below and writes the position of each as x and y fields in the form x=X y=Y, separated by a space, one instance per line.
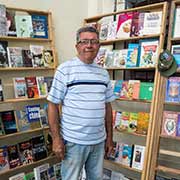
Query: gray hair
x=86 y=29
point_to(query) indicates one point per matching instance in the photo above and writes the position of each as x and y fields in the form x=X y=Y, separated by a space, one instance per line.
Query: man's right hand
x=59 y=148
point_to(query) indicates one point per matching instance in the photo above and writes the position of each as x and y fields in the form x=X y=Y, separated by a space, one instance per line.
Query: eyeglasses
x=87 y=41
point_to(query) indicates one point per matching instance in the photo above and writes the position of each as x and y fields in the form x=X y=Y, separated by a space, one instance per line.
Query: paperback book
x=27 y=58
x=11 y=26
x=41 y=172
x=1 y=91
x=3 y=54
x=4 y=159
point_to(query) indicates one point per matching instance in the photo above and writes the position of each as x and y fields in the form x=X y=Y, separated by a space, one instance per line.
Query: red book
x=32 y=88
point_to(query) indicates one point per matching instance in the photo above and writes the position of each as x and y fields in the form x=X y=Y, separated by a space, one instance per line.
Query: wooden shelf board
x=170 y=137
x=24 y=68
x=133 y=68
x=22 y=132
x=172 y=103
x=134 y=100
x=108 y=162
x=128 y=133
x=168 y=170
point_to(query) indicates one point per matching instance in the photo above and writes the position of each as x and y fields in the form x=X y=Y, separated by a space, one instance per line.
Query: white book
x=176 y=32
x=41 y=172
x=138 y=157
x=19 y=176
x=42 y=86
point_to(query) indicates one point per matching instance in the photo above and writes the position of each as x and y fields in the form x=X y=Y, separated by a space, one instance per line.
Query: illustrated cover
x=48 y=58
x=41 y=172
x=112 y=30
x=133 y=91
x=120 y=57
x=118 y=118
x=57 y=170
x=42 y=86
x=118 y=88
x=127 y=155
x=124 y=121
x=40 y=26
x=124 y=25
x=9 y=122
x=19 y=176
x=138 y=157
x=146 y=90
x=178 y=126
x=25 y=152
x=169 y=124
x=176 y=32
x=142 y=122
x=48 y=80
x=3 y=54
x=29 y=176
x=109 y=59
x=132 y=124
x=112 y=155
x=22 y=120
x=33 y=113
x=119 y=151
x=132 y=55
x=124 y=90
x=1 y=91
x=152 y=23
x=37 y=54
x=11 y=26
x=13 y=156
x=175 y=50
x=38 y=148
x=43 y=118
x=20 y=89
x=4 y=159
x=172 y=89
x=24 y=25
x=15 y=56
x=32 y=88
x=148 y=53
x=51 y=173
x=137 y=24
x=27 y=58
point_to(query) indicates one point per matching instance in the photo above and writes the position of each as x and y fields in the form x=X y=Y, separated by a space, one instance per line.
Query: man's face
x=87 y=47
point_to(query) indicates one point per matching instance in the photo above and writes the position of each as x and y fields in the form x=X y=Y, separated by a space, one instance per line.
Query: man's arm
x=109 y=131
x=53 y=118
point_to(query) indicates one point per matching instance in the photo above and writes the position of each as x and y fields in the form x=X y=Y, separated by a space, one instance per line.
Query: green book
x=146 y=90
x=29 y=176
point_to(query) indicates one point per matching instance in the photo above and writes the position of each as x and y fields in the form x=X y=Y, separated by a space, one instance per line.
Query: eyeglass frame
x=88 y=41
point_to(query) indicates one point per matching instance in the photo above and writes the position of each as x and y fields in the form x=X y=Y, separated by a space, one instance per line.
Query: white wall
x=67 y=15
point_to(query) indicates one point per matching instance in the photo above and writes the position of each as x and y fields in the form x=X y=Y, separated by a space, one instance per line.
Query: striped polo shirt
x=82 y=89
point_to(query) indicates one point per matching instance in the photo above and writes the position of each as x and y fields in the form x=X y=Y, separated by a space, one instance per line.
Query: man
x=84 y=90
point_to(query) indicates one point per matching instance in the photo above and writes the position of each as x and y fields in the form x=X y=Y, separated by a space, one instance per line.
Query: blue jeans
x=77 y=156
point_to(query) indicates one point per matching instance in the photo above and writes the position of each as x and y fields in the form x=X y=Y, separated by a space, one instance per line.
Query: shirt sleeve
x=109 y=92
x=58 y=88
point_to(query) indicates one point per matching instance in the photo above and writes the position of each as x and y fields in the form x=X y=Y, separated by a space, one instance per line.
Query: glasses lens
x=87 y=41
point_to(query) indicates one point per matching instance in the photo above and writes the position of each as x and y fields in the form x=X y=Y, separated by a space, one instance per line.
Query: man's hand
x=59 y=148
x=108 y=147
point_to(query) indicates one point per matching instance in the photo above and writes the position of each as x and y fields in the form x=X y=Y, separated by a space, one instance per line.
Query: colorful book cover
x=146 y=90
x=33 y=113
x=124 y=90
x=173 y=89
x=3 y=54
x=27 y=58
x=25 y=152
x=112 y=30
x=176 y=24
x=178 y=126
x=142 y=122
x=40 y=26
x=29 y=176
x=20 y=89
x=41 y=172
x=43 y=118
x=175 y=50
x=4 y=159
x=127 y=155
x=42 y=86
x=109 y=59
x=1 y=91
x=118 y=88
x=132 y=124
x=138 y=157
x=19 y=176
x=9 y=122
x=133 y=90
x=48 y=81
x=148 y=53
x=24 y=25
x=120 y=57
x=124 y=25
x=119 y=151
x=15 y=56
x=118 y=118
x=32 y=88
x=48 y=58
x=169 y=124
x=132 y=55
x=124 y=121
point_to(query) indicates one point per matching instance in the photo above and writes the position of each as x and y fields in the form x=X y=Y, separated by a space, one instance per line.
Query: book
x=175 y=50
x=146 y=90
x=9 y=122
x=37 y=55
x=126 y=155
x=124 y=25
x=57 y=171
x=176 y=24
x=25 y=152
x=3 y=26
x=24 y=25
x=106 y=174
x=133 y=89
x=112 y=26
x=148 y=52
x=40 y=26
x=109 y=59
x=118 y=88
x=41 y=172
x=132 y=123
x=27 y=58
x=124 y=90
x=20 y=89
x=19 y=176
x=13 y=156
x=48 y=58
x=124 y=121
x=33 y=113
x=32 y=88
x=29 y=176
x=48 y=81
x=120 y=57
x=38 y=148
x=15 y=56
x=3 y=54
x=178 y=126
x=169 y=124
x=43 y=118
x=2 y=10
x=51 y=173
x=1 y=126
x=11 y=26
x=118 y=117
x=119 y=151
x=42 y=86
x=4 y=159
x=132 y=55
x=138 y=157
x=1 y=91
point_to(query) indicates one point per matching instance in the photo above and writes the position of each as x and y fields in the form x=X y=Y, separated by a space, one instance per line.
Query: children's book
x=132 y=124
x=124 y=121
x=29 y=176
x=175 y=50
x=118 y=118
x=146 y=90
x=127 y=155
x=124 y=90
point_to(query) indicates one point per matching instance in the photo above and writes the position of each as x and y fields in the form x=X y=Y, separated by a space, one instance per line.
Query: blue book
x=132 y=55
x=40 y=26
x=33 y=113
x=118 y=87
x=178 y=126
x=175 y=50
